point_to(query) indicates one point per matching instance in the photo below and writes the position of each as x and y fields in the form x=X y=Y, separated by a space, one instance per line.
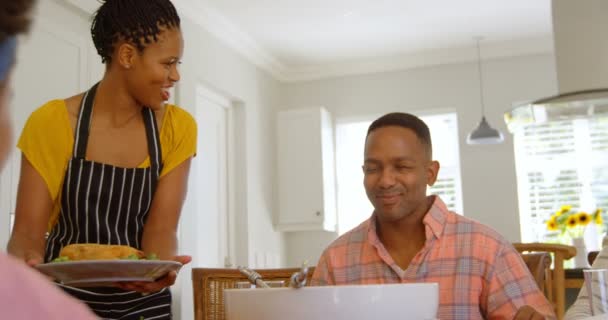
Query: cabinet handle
x=318 y=213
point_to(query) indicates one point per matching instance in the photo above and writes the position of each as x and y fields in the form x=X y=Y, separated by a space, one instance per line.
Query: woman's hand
x=20 y=247
x=150 y=287
x=33 y=259
x=29 y=257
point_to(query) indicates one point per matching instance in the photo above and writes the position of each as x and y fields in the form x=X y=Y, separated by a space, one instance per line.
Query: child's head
x=14 y=19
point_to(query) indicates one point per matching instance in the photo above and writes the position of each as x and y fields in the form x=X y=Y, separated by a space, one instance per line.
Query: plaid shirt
x=480 y=274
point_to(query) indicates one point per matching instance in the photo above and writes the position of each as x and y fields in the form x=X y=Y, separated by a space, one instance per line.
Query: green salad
x=61 y=259
x=151 y=256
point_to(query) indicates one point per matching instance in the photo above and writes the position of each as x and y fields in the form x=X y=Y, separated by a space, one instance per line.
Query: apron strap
x=153 y=137
x=84 y=122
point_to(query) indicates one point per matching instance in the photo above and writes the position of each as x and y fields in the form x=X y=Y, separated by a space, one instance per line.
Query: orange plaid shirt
x=480 y=274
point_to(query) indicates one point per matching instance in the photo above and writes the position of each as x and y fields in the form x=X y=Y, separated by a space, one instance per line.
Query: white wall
x=255 y=96
x=306 y=246
x=488 y=172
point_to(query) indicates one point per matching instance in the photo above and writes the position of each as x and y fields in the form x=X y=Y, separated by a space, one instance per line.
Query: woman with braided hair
x=110 y=165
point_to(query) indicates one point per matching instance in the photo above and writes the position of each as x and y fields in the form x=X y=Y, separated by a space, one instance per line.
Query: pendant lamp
x=483 y=133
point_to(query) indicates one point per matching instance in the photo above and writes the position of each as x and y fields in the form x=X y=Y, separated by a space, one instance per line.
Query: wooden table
x=574 y=278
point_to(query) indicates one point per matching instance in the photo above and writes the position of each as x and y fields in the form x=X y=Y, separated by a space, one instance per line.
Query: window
x=559 y=163
x=353 y=205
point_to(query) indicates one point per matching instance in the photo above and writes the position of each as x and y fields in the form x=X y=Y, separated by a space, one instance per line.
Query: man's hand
x=150 y=287
x=528 y=313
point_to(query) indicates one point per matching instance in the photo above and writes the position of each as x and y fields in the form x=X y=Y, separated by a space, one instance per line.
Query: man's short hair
x=408 y=121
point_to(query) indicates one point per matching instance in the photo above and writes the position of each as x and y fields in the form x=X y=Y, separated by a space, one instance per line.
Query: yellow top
x=47 y=142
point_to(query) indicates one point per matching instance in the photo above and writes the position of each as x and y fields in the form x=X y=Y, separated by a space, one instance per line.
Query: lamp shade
x=484 y=134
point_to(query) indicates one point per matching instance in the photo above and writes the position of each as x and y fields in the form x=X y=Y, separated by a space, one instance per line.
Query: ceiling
x=306 y=36
x=303 y=33
x=310 y=39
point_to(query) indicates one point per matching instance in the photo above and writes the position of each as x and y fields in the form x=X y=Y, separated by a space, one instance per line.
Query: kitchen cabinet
x=306 y=170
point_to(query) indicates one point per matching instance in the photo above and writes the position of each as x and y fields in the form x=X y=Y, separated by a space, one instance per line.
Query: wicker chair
x=539 y=264
x=209 y=285
x=556 y=286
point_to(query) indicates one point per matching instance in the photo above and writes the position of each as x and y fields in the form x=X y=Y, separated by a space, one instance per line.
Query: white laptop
x=354 y=302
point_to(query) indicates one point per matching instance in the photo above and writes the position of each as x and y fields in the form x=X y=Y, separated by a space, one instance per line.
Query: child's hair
x=14 y=17
x=137 y=21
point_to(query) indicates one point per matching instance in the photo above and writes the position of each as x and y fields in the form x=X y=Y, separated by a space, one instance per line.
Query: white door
x=203 y=224
x=211 y=176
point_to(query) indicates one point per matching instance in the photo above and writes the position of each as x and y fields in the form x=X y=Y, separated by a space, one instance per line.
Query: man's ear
x=432 y=171
x=126 y=55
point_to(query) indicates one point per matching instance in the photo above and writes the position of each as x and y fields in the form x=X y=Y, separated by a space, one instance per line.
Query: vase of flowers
x=580 y=260
x=568 y=226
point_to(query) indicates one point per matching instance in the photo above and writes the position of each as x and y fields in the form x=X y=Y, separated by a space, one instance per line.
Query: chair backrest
x=591 y=257
x=555 y=287
x=539 y=264
x=209 y=284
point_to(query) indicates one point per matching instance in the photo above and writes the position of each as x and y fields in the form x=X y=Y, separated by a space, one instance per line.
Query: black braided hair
x=136 y=21
x=14 y=17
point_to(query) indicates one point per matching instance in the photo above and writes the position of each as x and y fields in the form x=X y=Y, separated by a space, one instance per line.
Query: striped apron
x=104 y=204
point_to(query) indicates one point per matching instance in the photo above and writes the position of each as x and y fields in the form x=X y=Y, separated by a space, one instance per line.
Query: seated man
x=412 y=237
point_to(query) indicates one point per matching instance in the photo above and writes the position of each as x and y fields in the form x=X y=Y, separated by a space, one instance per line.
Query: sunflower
x=552 y=225
x=563 y=210
x=597 y=216
x=572 y=221
x=583 y=218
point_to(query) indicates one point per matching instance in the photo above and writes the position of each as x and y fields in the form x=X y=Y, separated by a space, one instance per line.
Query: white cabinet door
x=306 y=181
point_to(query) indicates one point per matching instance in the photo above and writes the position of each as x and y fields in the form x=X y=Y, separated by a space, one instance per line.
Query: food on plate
x=61 y=259
x=94 y=251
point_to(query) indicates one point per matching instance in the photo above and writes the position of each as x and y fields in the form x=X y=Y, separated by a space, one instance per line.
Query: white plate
x=106 y=272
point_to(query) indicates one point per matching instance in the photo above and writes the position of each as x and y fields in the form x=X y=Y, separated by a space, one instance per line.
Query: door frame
x=228 y=247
